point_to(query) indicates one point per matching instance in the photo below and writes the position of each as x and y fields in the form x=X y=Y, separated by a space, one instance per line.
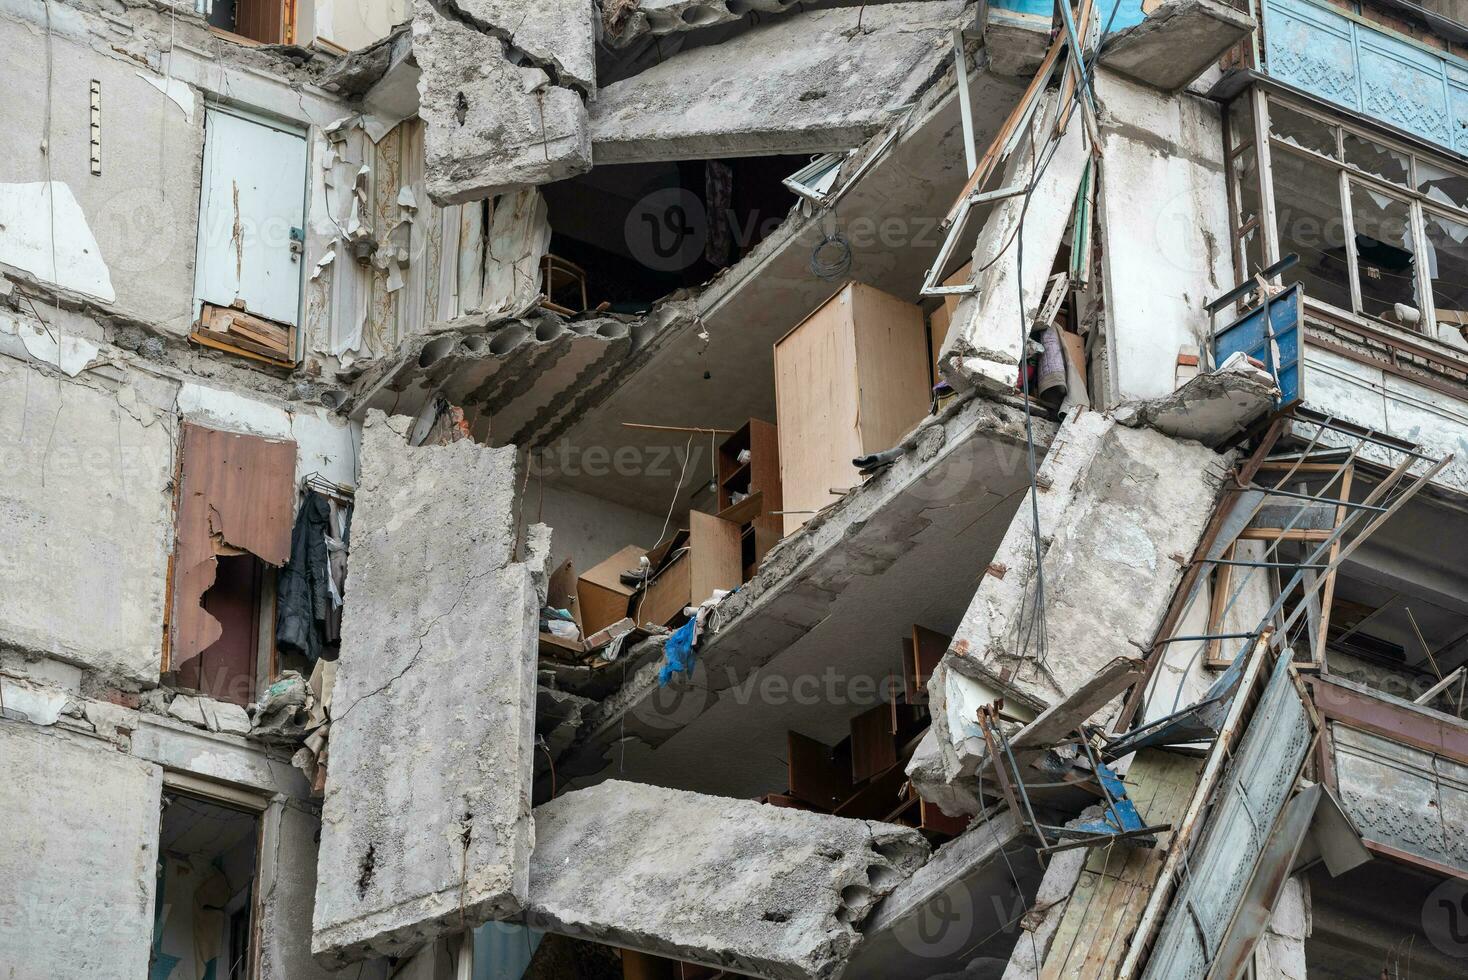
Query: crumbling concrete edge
x=797 y=556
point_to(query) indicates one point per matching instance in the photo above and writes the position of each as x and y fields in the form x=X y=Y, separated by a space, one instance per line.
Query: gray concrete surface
x=767 y=891
x=81 y=842
x=426 y=822
x=496 y=120
x=1120 y=513
x=805 y=83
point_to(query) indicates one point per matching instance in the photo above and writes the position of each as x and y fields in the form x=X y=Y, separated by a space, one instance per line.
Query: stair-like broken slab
x=732 y=884
x=498 y=118
x=426 y=824
x=804 y=83
x=1121 y=511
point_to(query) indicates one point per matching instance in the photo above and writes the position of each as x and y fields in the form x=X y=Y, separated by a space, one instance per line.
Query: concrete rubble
x=554 y=489
x=1121 y=511
x=732 y=884
x=426 y=821
x=501 y=117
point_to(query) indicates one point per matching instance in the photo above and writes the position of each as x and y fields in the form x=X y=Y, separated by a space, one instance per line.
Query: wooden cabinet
x=749 y=489
x=851 y=379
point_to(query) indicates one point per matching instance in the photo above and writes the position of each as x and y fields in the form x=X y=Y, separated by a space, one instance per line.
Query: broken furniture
x=749 y=490
x=851 y=379
x=564 y=285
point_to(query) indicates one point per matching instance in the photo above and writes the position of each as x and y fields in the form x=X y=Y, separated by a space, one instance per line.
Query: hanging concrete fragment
x=500 y=117
x=1121 y=510
x=811 y=82
x=762 y=890
x=426 y=822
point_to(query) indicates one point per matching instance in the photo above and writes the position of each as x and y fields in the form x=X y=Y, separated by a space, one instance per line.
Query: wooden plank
x=873 y=743
x=892 y=367
x=764 y=479
x=667 y=594
x=816 y=775
x=817 y=401
x=714 y=554
x=875 y=798
x=916 y=693
x=928 y=647
x=745 y=511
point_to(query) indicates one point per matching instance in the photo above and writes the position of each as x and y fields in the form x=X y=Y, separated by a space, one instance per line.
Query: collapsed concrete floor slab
x=811 y=82
x=958 y=907
x=526 y=378
x=1122 y=511
x=426 y=820
x=767 y=891
x=828 y=607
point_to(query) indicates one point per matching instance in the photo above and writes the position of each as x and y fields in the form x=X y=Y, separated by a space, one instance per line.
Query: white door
x=251 y=217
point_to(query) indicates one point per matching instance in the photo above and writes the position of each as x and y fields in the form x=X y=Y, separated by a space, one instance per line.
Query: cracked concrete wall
x=768 y=891
x=810 y=82
x=88 y=517
x=426 y=822
x=152 y=147
x=1160 y=263
x=81 y=828
x=502 y=116
x=1120 y=514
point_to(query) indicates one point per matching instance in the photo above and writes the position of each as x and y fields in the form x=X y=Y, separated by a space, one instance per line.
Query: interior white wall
x=587 y=529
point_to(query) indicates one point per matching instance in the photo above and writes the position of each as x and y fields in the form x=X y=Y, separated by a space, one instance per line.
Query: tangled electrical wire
x=822 y=265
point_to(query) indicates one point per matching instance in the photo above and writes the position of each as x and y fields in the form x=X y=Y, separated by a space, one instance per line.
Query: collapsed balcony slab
x=426 y=821
x=497 y=120
x=1177 y=42
x=831 y=601
x=732 y=884
x=1120 y=513
x=811 y=82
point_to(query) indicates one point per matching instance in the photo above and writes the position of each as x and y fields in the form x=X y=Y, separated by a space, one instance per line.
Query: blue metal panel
x=1355 y=65
x=1129 y=13
x=1270 y=334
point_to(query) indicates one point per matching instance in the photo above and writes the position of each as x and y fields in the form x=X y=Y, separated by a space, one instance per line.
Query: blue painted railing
x=1371 y=71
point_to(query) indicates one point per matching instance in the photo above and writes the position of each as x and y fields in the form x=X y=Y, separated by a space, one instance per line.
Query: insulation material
x=518 y=240
x=30 y=213
x=235 y=496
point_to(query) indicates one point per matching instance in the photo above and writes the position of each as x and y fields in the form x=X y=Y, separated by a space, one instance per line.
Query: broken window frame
x=1255 y=139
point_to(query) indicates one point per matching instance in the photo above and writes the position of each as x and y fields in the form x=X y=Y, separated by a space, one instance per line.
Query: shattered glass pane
x=1306 y=132
x=1386 y=256
x=1442 y=185
x=1310 y=223
x=1377 y=160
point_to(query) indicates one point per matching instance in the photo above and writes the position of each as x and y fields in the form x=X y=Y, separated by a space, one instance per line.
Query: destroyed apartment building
x=657 y=489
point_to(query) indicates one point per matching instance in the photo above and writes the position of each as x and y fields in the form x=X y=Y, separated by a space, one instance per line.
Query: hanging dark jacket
x=303 y=599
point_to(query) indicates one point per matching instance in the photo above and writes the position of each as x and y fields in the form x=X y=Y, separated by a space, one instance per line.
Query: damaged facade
x=696 y=488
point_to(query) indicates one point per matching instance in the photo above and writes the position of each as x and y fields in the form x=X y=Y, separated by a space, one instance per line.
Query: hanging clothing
x=307 y=615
